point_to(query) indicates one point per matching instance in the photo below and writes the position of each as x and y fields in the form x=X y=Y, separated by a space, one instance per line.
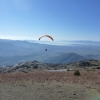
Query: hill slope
x=30 y=66
x=67 y=58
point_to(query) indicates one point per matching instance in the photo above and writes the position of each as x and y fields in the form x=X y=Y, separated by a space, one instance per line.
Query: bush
x=77 y=73
x=97 y=67
x=68 y=69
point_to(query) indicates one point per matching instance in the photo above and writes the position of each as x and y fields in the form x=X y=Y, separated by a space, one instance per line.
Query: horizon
x=60 y=42
x=48 y=40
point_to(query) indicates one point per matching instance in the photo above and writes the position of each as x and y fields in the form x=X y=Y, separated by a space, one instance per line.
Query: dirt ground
x=43 y=85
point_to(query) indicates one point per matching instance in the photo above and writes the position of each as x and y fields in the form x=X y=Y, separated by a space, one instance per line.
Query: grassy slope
x=50 y=86
x=45 y=91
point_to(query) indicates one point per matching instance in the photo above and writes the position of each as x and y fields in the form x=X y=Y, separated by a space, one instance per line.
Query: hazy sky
x=62 y=19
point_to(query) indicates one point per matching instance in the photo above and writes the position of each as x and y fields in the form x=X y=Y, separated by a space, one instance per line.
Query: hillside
x=95 y=64
x=67 y=58
x=62 y=58
x=30 y=66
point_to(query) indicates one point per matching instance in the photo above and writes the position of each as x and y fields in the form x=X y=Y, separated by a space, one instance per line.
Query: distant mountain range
x=16 y=51
x=66 y=42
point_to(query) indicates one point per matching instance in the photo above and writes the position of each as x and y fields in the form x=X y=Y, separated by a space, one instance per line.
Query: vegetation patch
x=77 y=73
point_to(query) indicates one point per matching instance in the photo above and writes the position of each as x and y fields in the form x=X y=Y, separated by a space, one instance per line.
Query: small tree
x=77 y=73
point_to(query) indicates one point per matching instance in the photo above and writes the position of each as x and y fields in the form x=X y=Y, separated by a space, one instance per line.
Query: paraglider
x=48 y=37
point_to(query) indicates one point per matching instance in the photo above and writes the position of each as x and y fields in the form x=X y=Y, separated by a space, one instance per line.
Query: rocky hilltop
x=30 y=66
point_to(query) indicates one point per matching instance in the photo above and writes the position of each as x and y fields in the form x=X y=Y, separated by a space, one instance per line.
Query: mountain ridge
x=67 y=58
x=30 y=66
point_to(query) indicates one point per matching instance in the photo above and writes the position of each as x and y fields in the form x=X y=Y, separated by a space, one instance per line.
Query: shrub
x=77 y=73
x=68 y=69
x=97 y=67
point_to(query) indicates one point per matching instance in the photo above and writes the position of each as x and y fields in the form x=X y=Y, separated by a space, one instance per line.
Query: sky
x=61 y=19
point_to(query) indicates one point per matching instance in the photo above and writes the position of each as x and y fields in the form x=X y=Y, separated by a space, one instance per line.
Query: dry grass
x=43 y=85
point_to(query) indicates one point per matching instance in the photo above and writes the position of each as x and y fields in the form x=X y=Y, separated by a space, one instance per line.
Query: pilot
x=45 y=49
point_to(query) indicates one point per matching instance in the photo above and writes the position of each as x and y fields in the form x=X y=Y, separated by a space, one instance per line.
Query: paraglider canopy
x=46 y=36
